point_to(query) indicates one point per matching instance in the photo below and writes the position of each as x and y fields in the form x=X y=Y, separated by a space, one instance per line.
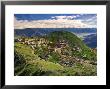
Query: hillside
x=59 y=53
x=76 y=44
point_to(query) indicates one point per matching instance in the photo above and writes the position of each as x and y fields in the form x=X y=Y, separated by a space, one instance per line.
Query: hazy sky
x=55 y=21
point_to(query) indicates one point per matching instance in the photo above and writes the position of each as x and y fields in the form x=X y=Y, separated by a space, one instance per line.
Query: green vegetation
x=54 y=57
x=58 y=54
x=74 y=42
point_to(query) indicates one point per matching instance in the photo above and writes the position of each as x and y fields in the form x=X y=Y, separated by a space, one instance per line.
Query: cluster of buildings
x=52 y=47
x=33 y=42
x=58 y=47
x=38 y=42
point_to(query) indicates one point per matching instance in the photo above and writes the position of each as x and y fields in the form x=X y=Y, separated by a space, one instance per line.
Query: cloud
x=54 y=22
x=92 y=18
x=91 y=21
x=64 y=17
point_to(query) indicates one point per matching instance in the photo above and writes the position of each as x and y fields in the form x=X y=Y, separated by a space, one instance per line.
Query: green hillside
x=68 y=36
x=74 y=42
x=58 y=54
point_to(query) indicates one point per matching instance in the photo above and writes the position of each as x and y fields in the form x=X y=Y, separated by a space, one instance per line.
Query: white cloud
x=92 y=22
x=60 y=22
x=94 y=18
x=63 y=17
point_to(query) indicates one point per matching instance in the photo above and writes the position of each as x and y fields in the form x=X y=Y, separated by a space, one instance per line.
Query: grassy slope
x=30 y=64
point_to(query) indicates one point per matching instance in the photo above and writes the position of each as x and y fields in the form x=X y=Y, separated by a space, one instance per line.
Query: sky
x=22 y=21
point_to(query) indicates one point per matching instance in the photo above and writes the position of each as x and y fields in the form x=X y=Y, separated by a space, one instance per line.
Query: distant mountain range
x=44 y=31
x=90 y=38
